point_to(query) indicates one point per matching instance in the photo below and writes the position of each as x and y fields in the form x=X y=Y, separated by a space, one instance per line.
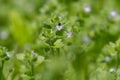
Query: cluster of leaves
x=72 y=40
x=22 y=66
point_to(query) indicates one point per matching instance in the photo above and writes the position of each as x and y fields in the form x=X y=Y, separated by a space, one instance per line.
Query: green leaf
x=20 y=56
x=58 y=43
x=20 y=30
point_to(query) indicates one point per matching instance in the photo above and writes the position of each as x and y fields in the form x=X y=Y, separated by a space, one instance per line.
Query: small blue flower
x=87 y=9
x=34 y=54
x=113 y=13
x=59 y=26
x=107 y=59
x=4 y=35
x=69 y=34
x=86 y=39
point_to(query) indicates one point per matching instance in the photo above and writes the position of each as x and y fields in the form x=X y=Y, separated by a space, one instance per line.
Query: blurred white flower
x=26 y=46
x=60 y=17
x=86 y=39
x=112 y=70
x=3 y=35
x=69 y=34
x=87 y=9
x=107 y=59
x=34 y=54
x=118 y=74
x=59 y=26
x=112 y=54
x=113 y=13
x=7 y=54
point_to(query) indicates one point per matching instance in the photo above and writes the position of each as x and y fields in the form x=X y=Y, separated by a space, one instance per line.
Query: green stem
x=117 y=61
x=1 y=71
x=58 y=51
x=52 y=51
x=32 y=70
x=117 y=65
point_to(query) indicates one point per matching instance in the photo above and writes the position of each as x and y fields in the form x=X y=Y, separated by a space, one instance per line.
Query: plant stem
x=1 y=71
x=117 y=60
x=117 y=65
x=32 y=70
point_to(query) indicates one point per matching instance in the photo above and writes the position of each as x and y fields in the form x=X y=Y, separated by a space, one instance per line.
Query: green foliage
x=20 y=30
x=59 y=40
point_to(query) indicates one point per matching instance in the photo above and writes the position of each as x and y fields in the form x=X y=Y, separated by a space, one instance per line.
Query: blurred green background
x=92 y=51
x=20 y=20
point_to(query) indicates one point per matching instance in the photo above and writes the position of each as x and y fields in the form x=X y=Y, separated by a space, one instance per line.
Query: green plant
x=59 y=40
